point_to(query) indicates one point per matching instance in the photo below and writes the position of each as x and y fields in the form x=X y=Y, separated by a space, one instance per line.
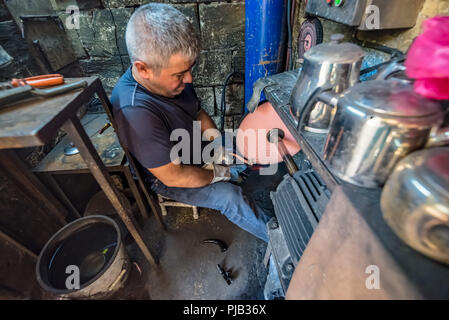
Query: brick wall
x=99 y=43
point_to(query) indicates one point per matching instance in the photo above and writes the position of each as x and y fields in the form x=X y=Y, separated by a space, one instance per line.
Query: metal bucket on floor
x=85 y=259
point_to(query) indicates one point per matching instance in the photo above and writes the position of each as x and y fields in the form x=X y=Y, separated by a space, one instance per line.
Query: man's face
x=171 y=80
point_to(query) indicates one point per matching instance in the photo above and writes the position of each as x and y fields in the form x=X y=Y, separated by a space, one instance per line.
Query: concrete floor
x=188 y=268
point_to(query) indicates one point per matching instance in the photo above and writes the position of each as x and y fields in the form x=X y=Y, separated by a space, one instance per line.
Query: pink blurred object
x=428 y=59
x=252 y=136
x=436 y=88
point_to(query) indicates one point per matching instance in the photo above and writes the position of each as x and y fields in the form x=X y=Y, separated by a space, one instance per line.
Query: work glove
x=221 y=173
x=221 y=154
x=224 y=173
x=236 y=171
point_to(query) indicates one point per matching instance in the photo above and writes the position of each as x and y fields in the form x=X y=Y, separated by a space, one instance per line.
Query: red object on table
x=45 y=80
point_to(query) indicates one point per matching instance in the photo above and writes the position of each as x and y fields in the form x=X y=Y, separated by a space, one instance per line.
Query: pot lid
x=389 y=97
x=335 y=51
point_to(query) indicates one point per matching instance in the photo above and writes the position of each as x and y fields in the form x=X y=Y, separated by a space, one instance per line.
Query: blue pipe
x=265 y=36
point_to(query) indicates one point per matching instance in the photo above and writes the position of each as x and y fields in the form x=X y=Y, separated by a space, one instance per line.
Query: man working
x=154 y=97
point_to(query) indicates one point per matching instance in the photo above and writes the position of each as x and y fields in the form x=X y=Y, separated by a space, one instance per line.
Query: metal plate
x=351 y=13
x=54 y=50
x=392 y=14
x=19 y=8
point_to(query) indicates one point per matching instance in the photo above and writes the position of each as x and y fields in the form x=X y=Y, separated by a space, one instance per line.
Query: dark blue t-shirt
x=145 y=120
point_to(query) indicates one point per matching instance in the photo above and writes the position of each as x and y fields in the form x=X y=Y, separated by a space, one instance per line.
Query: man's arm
x=188 y=176
x=182 y=176
x=207 y=123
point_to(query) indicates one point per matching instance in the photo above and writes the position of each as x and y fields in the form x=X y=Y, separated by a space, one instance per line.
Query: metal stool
x=167 y=202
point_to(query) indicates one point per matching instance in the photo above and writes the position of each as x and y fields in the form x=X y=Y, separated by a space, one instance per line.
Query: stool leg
x=163 y=209
x=195 y=213
x=136 y=193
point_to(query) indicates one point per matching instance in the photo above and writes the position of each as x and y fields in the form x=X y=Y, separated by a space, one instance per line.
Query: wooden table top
x=34 y=121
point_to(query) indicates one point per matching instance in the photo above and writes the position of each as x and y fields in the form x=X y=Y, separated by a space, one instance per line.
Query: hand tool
x=105 y=127
x=23 y=92
x=276 y=136
x=226 y=274
x=221 y=244
x=45 y=80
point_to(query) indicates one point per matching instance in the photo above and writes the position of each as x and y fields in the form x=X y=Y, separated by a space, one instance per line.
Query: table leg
x=54 y=186
x=17 y=245
x=136 y=193
x=33 y=188
x=78 y=136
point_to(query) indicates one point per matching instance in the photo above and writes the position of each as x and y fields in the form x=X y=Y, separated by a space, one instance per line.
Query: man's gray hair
x=156 y=31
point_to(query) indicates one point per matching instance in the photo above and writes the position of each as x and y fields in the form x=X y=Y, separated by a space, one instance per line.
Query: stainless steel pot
x=332 y=65
x=415 y=202
x=376 y=124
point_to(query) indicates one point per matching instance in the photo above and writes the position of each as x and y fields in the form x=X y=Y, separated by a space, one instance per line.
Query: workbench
x=352 y=240
x=33 y=122
x=108 y=148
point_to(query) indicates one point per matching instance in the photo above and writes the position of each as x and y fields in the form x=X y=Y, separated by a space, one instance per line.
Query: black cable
x=377 y=66
x=373 y=68
x=289 y=28
x=223 y=96
x=395 y=53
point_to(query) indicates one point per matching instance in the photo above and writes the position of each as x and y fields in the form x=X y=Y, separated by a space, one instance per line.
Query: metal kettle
x=376 y=124
x=415 y=202
x=333 y=65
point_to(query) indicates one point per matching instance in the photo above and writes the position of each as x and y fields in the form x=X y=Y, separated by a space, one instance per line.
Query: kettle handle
x=438 y=138
x=395 y=66
x=322 y=94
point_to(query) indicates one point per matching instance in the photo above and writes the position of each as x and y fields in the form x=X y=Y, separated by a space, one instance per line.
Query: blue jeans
x=224 y=197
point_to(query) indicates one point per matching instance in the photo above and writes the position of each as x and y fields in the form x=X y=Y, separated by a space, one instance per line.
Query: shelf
x=352 y=235
x=106 y=144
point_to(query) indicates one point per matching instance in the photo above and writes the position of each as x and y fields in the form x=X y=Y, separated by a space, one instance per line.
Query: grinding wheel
x=310 y=35
x=252 y=140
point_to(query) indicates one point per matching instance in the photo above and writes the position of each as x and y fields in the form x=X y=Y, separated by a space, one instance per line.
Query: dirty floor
x=188 y=268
